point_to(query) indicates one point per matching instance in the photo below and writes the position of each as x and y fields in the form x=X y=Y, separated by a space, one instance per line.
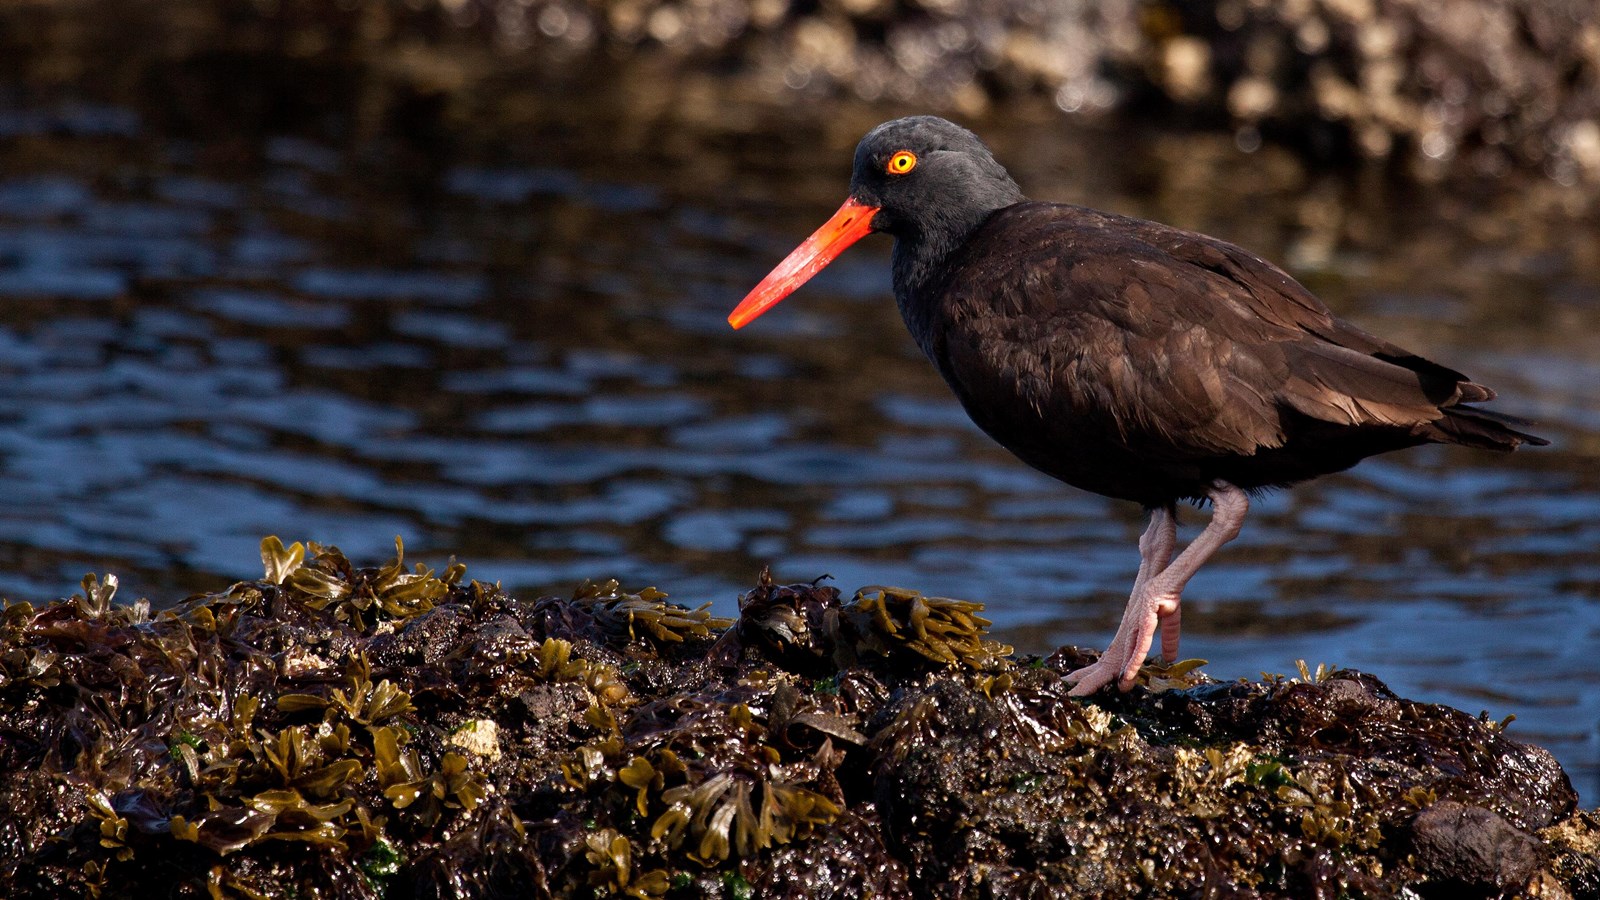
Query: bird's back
x=1142 y=361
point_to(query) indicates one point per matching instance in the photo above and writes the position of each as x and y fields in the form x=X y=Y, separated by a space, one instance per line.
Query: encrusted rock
x=1473 y=849
x=460 y=741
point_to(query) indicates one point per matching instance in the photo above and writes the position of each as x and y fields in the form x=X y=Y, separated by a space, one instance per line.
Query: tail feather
x=1482 y=428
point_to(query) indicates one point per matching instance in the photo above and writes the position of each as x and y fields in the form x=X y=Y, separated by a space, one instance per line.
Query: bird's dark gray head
x=927 y=176
x=928 y=182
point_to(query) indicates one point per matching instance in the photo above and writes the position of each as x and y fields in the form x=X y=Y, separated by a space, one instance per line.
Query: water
x=487 y=315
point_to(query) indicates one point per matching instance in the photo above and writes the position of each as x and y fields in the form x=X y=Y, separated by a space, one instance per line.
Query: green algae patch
x=332 y=730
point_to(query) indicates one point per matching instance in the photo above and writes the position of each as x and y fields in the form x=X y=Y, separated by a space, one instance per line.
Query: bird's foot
x=1092 y=677
x=1154 y=603
x=1147 y=611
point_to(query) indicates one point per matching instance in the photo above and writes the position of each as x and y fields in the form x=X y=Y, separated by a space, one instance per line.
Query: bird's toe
x=1090 y=678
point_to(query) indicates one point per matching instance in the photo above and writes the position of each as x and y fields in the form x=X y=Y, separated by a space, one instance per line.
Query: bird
x=1128 y=358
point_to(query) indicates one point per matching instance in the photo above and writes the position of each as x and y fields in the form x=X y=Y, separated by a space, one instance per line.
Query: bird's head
x=913 y=177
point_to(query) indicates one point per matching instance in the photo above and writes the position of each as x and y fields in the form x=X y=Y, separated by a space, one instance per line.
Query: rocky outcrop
x=332 y=730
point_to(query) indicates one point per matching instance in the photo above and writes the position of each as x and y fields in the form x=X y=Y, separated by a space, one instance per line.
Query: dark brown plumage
x=1129 y=358
x=1144 y=362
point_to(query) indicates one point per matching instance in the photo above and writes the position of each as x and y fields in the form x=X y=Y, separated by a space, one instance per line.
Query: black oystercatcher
x=1126 y=357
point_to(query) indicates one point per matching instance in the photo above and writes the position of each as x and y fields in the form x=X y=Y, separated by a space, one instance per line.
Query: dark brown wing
x=1343 y=375
x=1172 y=344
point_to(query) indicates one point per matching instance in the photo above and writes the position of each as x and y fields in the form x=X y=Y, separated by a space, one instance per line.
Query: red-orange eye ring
x=902 y=162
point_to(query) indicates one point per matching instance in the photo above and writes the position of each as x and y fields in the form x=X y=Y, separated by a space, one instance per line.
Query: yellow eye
x=901 y=163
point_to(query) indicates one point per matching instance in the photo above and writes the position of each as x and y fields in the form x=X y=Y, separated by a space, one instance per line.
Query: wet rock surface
x=340 y=731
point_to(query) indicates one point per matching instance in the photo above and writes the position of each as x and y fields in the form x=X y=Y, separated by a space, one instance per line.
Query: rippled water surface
x=489 y=317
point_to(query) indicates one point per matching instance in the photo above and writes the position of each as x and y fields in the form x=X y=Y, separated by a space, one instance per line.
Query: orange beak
x=851 y=223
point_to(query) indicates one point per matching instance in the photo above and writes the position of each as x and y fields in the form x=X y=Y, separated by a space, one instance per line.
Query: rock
x=1471 y=848
x=1472 y=86
x=453 y=739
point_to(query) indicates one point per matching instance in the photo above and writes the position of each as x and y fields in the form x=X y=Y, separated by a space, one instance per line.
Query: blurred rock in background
x=1444 y=86
x=1483 y=84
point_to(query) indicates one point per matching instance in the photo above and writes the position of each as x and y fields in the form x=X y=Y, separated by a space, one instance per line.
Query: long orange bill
x=851 y=223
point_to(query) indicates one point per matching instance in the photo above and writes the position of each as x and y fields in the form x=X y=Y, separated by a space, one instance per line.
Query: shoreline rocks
x=1472 y=87
x=1442 y=88
x=387 y=731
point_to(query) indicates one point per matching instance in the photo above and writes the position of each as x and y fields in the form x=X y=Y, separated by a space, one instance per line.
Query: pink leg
x=1156 y=544
x=1160 y=538
x=1157 y=590
x=1155 y=547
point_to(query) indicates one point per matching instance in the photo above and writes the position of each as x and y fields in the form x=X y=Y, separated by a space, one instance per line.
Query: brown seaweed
x=331 y=730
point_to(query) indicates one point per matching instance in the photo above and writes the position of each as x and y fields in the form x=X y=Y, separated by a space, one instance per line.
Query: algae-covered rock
x=339 y=731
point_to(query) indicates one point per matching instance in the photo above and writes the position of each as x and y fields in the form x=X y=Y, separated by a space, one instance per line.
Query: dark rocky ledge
x=332 y=731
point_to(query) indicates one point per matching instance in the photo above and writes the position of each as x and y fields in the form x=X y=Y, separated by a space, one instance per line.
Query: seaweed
x=644 y=615
x=807 y=630
x=332 y=730
x=889 y=621
x=361 y=597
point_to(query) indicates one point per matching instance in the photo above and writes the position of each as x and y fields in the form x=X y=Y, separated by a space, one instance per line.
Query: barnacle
x=625 y=617
x=1576 y=850
x=937 y=629
x=479 y=737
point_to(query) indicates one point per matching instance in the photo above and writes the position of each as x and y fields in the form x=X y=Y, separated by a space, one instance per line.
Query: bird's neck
x=923 y=258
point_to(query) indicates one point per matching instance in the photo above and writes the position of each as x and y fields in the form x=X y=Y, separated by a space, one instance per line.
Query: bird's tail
x=1474 y=427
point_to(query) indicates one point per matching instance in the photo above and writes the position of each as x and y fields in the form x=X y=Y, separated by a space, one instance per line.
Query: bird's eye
x=901 y=163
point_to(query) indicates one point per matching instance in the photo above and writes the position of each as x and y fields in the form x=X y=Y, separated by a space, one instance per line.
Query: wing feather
x=1181 y=345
